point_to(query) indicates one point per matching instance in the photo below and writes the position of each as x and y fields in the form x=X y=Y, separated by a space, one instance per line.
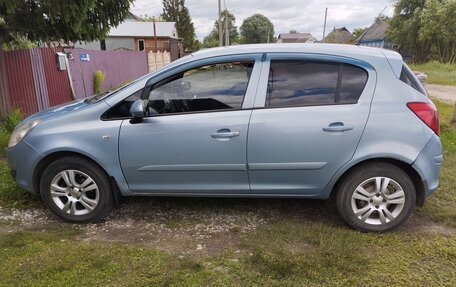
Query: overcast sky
x=300 y=15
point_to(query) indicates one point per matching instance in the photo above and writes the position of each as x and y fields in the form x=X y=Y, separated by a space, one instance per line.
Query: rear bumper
x=428 y=164
x=22 y=160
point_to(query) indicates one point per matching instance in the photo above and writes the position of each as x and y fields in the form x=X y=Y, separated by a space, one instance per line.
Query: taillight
x=427 y=113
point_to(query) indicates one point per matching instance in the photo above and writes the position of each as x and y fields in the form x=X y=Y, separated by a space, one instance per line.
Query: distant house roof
x=339 y=35
x=295 y=38
x=132 y=17
x=144 y=29
x=376 y=32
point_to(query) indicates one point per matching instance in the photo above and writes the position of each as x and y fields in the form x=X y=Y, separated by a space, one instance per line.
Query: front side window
x=305 y=83
x=207 y=88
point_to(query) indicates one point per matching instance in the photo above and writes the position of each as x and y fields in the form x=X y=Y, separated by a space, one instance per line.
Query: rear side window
x=409 y=78
x=352 y=84
x=307 y=83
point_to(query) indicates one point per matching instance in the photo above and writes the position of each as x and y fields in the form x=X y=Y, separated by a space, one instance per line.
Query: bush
x=4 y=139
x=9 y=122
x=438 y=73
x=12 y=120
x=98 y=79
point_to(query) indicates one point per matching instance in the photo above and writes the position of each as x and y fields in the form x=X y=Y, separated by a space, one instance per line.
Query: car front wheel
x=76 y=190
x=376 y=197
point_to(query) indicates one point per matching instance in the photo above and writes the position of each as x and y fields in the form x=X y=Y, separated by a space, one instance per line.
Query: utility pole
x=324 y=27
x=155 y=37
x=227 y=33
x=220 y=28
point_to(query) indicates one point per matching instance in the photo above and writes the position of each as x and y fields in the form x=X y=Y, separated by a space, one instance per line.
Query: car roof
x=357 y=52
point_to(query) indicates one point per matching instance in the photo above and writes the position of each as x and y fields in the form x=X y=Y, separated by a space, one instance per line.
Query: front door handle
x=224 y=134
x=337 y=127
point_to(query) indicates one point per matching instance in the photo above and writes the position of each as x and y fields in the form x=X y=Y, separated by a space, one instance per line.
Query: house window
x=140 y=45
x=103 y=45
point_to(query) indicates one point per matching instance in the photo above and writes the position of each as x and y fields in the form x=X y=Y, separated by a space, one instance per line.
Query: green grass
x=441 y=206
x=438 y=74
x=12 y=196
x=294 y=251
x=285 y=253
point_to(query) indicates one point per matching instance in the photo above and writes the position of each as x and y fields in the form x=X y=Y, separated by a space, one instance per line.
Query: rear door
x=310 y=114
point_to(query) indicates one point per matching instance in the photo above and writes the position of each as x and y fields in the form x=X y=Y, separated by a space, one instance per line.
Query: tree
x=50 y=20
x=175 y=11
x=438 y=23
x=404 y=29
x=293 y=32
x=17 y=43
x=148 y=18
x=257 y=29
x=212 y=40
x=357 y=32
x=381 y=18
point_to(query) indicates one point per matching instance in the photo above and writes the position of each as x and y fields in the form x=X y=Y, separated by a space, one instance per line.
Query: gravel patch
x=180 y=225
x=445 y=94
x=25 y=216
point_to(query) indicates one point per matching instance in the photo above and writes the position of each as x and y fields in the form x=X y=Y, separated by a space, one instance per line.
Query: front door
x=194 y=139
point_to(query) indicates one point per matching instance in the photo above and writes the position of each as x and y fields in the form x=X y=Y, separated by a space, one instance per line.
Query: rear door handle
x=337 y=127
x=224 y=134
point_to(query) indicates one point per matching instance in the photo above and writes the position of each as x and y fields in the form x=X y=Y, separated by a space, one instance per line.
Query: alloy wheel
x=378 y=200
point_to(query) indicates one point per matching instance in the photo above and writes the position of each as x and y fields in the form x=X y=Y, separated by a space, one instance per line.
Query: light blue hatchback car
x=279 y=120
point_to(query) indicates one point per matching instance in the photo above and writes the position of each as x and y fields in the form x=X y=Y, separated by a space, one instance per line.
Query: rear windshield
x=410 y=79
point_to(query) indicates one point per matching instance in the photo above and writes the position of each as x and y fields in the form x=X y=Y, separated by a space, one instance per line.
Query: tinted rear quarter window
x=306 y=83
x=409 y=78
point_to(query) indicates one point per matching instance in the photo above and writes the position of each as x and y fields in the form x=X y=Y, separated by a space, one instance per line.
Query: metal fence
x=30 y=81
x=118 y=66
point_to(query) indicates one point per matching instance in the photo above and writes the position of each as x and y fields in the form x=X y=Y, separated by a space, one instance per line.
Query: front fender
x=97 y=141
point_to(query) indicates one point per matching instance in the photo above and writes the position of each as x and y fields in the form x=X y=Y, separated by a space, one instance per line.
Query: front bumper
x=22 y=159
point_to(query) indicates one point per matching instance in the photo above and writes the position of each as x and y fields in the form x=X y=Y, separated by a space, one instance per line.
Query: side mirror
x=137 y=110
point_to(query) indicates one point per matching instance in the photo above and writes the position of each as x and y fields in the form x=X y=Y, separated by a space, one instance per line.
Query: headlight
x=20 y=132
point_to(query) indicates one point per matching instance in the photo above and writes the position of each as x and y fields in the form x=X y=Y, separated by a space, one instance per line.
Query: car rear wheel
x=376 y=197
x=76 y=190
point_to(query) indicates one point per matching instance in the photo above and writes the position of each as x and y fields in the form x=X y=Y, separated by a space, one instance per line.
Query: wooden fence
x=158 y=59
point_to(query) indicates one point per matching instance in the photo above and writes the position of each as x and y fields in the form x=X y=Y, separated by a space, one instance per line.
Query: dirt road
x=445 y=94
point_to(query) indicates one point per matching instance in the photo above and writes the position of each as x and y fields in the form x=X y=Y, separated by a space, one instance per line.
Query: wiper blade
x=95 y=98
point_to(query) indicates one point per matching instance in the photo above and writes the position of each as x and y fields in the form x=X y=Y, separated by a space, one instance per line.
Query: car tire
x=76 y=190
x=376 y=197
